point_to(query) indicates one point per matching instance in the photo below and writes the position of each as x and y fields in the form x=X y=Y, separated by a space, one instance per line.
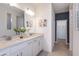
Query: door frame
x=67 y=30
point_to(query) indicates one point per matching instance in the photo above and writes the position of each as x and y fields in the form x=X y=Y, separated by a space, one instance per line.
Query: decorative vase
x=21 y=36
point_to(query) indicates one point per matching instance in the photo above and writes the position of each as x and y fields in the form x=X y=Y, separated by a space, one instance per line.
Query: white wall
x=4 y=9
x=71 y=27
x=75 y=30
x=45 y=11
x=53 y=27
x=74 y=33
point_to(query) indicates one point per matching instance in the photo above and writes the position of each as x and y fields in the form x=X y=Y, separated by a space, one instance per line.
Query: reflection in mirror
x=20 y=21
x=9 y=20
x=8 y=15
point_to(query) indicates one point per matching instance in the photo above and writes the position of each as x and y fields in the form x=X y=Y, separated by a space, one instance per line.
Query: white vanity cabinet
x=4 y=52
x=14 y=53
x=33 y=47
x=25 y=51
x=41 y=42
x=15 y=50
x=36 y=46
x=26 y=48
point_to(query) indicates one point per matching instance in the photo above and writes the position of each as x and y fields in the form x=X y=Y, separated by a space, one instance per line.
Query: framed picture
x=29 y=23
x=43 y=23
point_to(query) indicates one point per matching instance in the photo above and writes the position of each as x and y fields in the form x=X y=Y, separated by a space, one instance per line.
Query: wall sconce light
x=12 y=4
x=29 y=12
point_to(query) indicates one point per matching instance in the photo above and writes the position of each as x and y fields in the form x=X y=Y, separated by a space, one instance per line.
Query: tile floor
x=60 y=49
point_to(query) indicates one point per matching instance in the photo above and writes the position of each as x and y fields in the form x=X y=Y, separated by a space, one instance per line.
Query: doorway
x=61 y=30
x=61 y=46
x=64 y=19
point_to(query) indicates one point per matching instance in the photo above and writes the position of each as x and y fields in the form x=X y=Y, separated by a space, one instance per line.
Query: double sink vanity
x=27 y=46
x=16 y=19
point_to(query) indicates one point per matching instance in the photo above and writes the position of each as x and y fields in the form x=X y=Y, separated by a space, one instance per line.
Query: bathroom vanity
x=27 y=46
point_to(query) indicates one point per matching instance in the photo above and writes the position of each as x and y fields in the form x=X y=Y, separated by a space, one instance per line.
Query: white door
x=61 y=29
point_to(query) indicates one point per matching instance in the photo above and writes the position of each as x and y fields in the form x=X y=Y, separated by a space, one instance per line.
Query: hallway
x=60 y=49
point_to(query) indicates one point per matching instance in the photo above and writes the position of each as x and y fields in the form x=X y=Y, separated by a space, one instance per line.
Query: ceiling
x=61 y=7
x=34 y=5
x=58 y=7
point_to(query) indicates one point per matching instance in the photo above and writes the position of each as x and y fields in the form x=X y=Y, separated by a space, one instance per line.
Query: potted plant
x=20 y=30
x=17 y=30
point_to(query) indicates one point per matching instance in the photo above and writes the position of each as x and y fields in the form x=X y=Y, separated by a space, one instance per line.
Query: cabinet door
x=14 y=53
x=41 y=43
x=4 y=52
x=27 y=49
x=36 y=46
x=14 y=50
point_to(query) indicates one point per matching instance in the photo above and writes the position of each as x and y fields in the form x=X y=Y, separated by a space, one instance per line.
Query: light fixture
x=12 y=4
x=29 y=12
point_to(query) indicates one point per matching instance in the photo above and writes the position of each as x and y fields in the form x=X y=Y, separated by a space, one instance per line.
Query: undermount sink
x=5 y=38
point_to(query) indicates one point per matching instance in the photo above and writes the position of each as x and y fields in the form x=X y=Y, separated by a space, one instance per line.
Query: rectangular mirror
x=10 y=18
